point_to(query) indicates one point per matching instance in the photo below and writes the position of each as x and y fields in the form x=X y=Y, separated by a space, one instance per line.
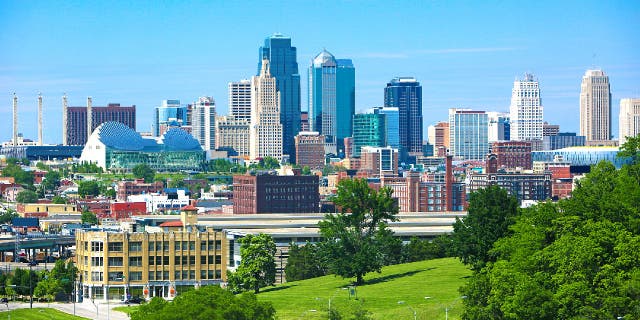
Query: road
x=85 y=309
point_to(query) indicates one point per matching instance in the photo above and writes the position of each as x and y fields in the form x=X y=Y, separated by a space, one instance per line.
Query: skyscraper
x=169 y=114
x=77 y=127
x=283 y=66
x=332 y=99
x=369 y=129
x=203 y=120
x=526 y=110
x=266 y=129
x=240 y=99
x=629 y=125
x=595 y=106
x=499 y=126
x=232 y=135
x=392 y=126
x=405 y=93
x=468 y=132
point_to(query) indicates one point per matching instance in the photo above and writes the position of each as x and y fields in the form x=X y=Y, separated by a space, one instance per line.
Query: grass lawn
x=39 y=313
x=127 y=309
x=393 y=294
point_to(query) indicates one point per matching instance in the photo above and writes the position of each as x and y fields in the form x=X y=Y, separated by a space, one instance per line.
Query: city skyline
x=465 y=55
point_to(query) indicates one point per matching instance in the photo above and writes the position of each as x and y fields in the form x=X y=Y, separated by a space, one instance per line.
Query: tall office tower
x=169 y=114
x=232 y=135
x=438 y=135
x=369 y=129
x=499 y=127
x=203 y=122
x=284 y=67
x=405 y=93
x=265 y=129
x=629 y=125
x=392 y=125
x=468 y=134
x=332 y=99
x=526 y=110
x=595 y=106
x=77 y=128
x=240 y=99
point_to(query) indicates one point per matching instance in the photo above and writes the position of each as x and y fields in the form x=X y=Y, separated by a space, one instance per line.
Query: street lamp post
x=30 y=287
x=415 y=314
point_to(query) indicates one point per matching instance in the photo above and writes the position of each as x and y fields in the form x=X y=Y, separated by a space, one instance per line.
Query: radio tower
x=15 y=120
x=64 y=120
x=39 y=118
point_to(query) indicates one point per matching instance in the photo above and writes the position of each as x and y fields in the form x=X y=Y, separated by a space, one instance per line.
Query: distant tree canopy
x=88 y=188
x=575 y=259
x=205 y=303
x=21 y=176
x=305 y=262
x=89 y=218
x=143 y=171
x=357 y=240
x=27 y=196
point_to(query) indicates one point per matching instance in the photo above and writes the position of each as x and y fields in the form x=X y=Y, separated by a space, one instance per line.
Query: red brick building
x=310 y=150
x=138 y=186
x=124 y=210
x=275 y=194
x=512 y=154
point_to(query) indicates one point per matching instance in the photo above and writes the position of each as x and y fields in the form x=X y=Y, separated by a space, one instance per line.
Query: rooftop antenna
x=15 y=120
x=65 y=142
x=89 y=117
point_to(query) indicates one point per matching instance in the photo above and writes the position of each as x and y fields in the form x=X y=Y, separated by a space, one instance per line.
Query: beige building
x=595 y=106
x=265 y=129
x=629 y=125
x=47 y=209
x=113 y=265
x=232 y=133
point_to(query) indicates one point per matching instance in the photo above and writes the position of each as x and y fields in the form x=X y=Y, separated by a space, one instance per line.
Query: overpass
x=45 y=243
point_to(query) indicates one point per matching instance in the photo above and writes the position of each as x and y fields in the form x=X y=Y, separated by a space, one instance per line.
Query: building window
x=97 y=261
x=135 y=246
x=115 y=261
x=115 y=276
x=152 y=275
x=115 y=246
x=152 y=245
x=96 y=276
x=135 y=261
x=135 y=276
x=152 y=260
x=97 y=246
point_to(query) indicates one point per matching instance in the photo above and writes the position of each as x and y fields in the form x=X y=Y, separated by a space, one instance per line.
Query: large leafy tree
x=357 y=240
x=89 y=218
x=491 y=212
x=27 y=196
x=20 y=176
x=576 y=259
x=143 y=171
x=258 y=266
x=304 y=262
x=88 y=188
x=210 y=302
x=51 y=180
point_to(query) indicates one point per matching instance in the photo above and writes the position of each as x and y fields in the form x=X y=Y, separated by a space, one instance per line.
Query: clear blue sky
x=465 y=54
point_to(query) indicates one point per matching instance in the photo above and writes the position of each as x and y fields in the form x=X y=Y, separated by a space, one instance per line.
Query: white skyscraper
x=498 y=124
x=629 y=125
x=240 y=100
x=595 y=106
x=526 y=110
x=265 y=129
x=203 y=119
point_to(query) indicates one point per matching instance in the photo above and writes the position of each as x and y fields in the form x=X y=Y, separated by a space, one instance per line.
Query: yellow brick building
x=147 y=265
x=50 y=208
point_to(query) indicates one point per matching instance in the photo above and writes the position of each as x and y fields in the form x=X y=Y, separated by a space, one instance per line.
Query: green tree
x=257 y=266
x=89 y=218
x=270 y=163
x=27 y=196
x=143 y=171
x=355 y=240
x=51 y=180
x=20 y=176
x=58 y=200
x=306 y=171
x=491 y=212
x=210 y=302
x=631 y=149
x=304 y=262
x=88 y=188
x=7 y=216
x=110 y=193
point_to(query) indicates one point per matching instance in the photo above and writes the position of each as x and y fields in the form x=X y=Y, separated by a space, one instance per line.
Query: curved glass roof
x=178 y=139
x=119 y=136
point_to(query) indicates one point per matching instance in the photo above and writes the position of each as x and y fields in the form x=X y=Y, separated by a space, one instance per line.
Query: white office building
x=629 y=125
x=265 y=129
x=526 y=110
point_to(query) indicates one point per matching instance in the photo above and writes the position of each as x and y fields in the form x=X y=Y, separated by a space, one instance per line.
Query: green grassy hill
x=408 y=284
x=39 y=314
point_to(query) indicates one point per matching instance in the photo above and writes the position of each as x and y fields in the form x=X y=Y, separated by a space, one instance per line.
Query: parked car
x=136 y=300
x=4 y=300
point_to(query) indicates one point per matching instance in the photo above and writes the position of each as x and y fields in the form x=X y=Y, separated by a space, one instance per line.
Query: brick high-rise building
x=275 y=194
x=77 y=120
x=310 y=150
x=512 y=154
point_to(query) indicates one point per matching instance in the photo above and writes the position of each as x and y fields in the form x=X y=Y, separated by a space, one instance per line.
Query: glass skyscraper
x=332 y=99
x=169 y=114
x=284 y=67
x=392 y=124
x=405 y=93
x=369 y=129
x=468 y=130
